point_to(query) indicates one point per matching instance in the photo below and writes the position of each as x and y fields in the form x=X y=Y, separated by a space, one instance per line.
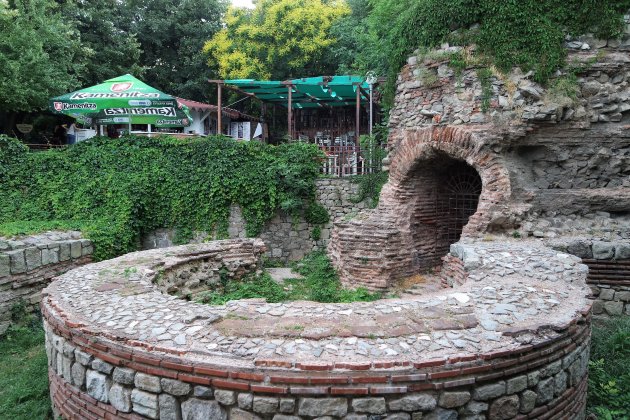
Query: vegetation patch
x=609 y=372
x=114 y=190
x=320 y=283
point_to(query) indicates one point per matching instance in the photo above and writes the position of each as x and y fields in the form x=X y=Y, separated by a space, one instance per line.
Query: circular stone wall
x=510 y=340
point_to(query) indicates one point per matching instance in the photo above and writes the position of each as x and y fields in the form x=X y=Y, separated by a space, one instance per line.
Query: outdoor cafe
x=330 y=111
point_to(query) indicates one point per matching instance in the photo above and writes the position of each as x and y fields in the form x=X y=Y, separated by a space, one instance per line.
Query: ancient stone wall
x=542 y=152
x=501 y=345
x=287 y=239
x=28 y=264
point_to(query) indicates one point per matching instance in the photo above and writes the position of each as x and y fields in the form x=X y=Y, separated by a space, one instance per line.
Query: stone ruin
x=503 y=207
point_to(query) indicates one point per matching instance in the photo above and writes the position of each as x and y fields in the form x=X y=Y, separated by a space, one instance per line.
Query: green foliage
x=529 y=33
x=132 y=185
x=371 y=183
x=316 y=234
x=609 y=373
x=316 y=214
x=320 y=284
x=37 y=52
x=171 y=34
x=24 y=375
x=278 y=39
x=484 y=75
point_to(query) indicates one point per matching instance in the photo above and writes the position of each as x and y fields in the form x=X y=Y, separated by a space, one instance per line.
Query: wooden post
x=358 y=116
x=290 y=113
x=220 y=109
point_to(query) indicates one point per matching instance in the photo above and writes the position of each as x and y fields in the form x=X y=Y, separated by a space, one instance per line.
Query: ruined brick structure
x=540 y=153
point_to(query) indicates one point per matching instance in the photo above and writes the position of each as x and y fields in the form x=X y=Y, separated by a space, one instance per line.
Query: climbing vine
x=119 y=189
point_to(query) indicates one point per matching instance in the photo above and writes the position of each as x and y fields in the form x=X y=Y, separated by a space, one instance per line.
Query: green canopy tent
x=122 y=100
x=304 y=93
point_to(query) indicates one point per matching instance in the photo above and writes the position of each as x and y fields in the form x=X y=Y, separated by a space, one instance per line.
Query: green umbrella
x=122 y=100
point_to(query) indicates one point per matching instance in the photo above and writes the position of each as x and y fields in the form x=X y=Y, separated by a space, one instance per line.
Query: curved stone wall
x=512 y=341
x=29 y=263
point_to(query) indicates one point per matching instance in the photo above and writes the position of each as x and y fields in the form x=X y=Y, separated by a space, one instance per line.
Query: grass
x=609 y=370
x=24 y=375
x=320 y=284
x=18 y=228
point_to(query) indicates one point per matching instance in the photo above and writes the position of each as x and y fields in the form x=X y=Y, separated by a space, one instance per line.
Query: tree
x=110 y=49
x=37 y=54
x=171 y=35
x=278 y=39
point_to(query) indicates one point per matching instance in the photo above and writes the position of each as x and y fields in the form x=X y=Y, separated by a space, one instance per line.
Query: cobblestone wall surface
x=287 y=238
x=551 y=159
x=27 y=265
x=514 y=348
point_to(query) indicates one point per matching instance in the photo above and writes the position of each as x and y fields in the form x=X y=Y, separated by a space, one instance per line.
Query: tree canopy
x=278 y=39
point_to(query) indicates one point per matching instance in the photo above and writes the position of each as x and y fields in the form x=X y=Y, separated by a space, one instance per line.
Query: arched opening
x=447 y=192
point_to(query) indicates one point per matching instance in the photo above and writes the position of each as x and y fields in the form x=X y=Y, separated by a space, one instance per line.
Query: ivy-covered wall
x=118 y=189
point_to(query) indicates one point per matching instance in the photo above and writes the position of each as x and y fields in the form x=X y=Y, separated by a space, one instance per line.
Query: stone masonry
x=28 y=264
x=287 y=239
x=544 y=154
x=510 y=340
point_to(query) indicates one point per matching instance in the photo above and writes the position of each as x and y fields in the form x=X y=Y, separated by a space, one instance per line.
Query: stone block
x=454 y=399
x=528 y=401
x=285 y=417
x=82 y=357
x=202 y=392
x=66 y=367
x=5 y=265
x=603 y=250
x=33 y=257
x=516 y=384
x=238 y=414
x=323 y=407
x=50 y=256
x=245 y=401
x=394 y=416
x=144 y=403
x=606 y=294
x=369 y=405
x=75 y=249
x=124 y=376
x=545 y=390
x=169 y=407
x=102 y=366
x=504 y=408
x=225 y=397
x=120 y=398
x=64 y=251
x=78 y=375
x=147 y=382
x=613 y=308
x=174 y=387
x=287 y=405
x=98 y=385
x=18 y=262
x=560 y=383
x=598 y=307
x=474 y=407
x=580 y=249
x=265 y=405
x=414 y=402
x=622 y=251
x=490 y=391
x=440 y=414
x=195 y=409
x=624 y=296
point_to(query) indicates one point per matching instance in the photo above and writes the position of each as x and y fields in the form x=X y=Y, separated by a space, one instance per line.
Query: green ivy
x=525 y=33
x=119 y=189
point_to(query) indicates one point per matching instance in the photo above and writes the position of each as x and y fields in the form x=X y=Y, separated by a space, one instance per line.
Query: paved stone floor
x=516 y=289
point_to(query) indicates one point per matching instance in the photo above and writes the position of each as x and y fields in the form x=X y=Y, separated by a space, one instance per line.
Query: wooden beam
x=358 y=114
x=289 y=114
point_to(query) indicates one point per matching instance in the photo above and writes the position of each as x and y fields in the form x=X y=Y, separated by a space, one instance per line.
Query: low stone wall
x=28 y=264
x=499 y=346
x=287 y=239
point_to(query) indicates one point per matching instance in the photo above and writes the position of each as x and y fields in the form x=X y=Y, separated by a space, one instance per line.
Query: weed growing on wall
x=118 y=189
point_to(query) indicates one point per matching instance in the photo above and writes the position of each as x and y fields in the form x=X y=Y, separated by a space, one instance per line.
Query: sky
x=243 y=3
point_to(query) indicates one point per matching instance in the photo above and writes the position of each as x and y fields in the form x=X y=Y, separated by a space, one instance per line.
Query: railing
x=341 y=161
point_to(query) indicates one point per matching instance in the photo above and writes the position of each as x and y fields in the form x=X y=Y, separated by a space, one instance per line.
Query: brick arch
x=420 y=146
x=388 y=237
